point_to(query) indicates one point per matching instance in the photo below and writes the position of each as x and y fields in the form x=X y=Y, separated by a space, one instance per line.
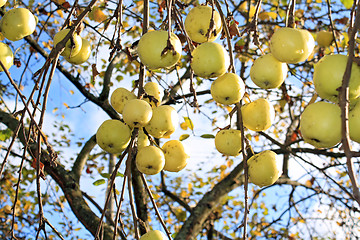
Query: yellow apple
x=72 y=46
x=328 y=75
x=164 y=121
x=17 y=23
x=2 y=2
x=83 y=55
x=258 y=115
x=264 y=168
x=291 y=45
x=113 y=136
x=228 y=89
x=6 y=56
x=142 y=140
x=228 y=142
x=354 y=122
x=120 y=97
x=210 y=60
x=150 y=160
x=137 y=113
x=153 y=89
x=324 y=38
x=320 y=124
x=197 y=24
x=175 y=156
x=268 y=72
x=154 y=235
x=151 y=49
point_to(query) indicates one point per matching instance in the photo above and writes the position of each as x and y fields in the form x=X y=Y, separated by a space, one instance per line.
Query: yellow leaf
x=183 y=137
x=71 y=92
x=97 y=15
x=183 y=126
x=267 y=15
x=55 y=110
x=65 y=104
x=189 y=123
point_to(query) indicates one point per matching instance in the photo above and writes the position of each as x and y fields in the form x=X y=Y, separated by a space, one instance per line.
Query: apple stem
x=290 y=13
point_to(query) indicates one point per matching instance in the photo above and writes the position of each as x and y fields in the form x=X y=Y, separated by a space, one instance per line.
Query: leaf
x=347 y=3
x=189 y=123
x=183 y=126
x=267 y=15
x=207 y=136
x=5 y=134
x=99 y=182
x=183 y=137
x=105 y=175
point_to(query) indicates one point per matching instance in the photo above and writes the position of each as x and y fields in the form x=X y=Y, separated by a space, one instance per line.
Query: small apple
x=324 y=38
x=6 y=56
x=150 y=160
x=137 y=113
x=142 y=140
x=268 y=72
x=17 y=23
x=175 y=156
x=210 y=60
x=228 y=89
x=2 y=2
x=120 y=97
x=328 y=75
x=228 y=142
x=154 y=235
x=264 y=168
x=320 y=124
x=291 y=45
x=197 y=23
x=72 y=46
x=258 y=115
x=354 y=121
x=164 y=121
x=151 y=49
x=83 y=55
x=113 y=136
x=153 y=89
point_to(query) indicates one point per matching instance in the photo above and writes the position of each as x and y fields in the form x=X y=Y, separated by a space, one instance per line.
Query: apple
x=210 y=60
x=258 y=115
x=197 y=23
x=142 y=139
x=83 y=55
x=113 y=136
x=267 y=72
x=154 y=235
x=2 y=2
x=153 y=89
x=164 y=121
x=120 y=97
x=137 y=113
x=72 y=46
x=264 y=168
x=228 y=89
x=328 y=75
x=228 y=142
x=324 y=38
x=17 y=23
x=320 y=124
x=291 y=45
x=6 y=56
x=151 y=49
x=175 y=156
x=354 y=121
x=150 y=160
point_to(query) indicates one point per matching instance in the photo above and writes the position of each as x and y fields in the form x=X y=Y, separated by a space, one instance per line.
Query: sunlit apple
x=175 y=156
x=324 y=38
x=150 y=160
x=228 y=142
x=6 y=56
x=142 y=140
x=154 y=235
x=83 y=55
x=137 y=113
x=17 y=23
x=72 y=46
x=258 y=115
x=152 y=89
x=120 y=97
x=2 y=2
x=228 y=89
x=354 y=121
x=164 y=121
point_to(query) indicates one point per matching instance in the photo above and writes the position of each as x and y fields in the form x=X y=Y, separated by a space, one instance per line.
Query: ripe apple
x=354 y=121
x=258 y=115
x=137 y=113
x=142 y=140
x=17 y=23
x=2 y=2
x=153 y=89
x=175 y=156
x=264 y=168
x=6 y=56
x=120 y=97
x=324 y=38
x=291 y=45
x=72 y=46
x=113 y=136
x=150 y=160
x=164 y=121
x=151 y=49
x=210 y=60
x=228 y=142
x=154 y=235
x=228 y=89
x=328 y=75
x=197 y=23
x=268 y=72
x=320 y=124
x=83 y=55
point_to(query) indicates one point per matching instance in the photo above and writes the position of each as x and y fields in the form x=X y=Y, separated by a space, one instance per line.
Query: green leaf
x=99 y=182
x=105 y=175
x=5 y=134
x=207 y=136
x=183 y=137
x=347 y=3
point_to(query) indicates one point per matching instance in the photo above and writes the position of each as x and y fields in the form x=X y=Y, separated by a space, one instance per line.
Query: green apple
x=137 y=113
x=197 y=23
x=151 y=49
x=258 y=115
x=228 y=142
x=324 y=38
x=264 y=168
x=164 y=121
x=175 y=156
x=154 y=235
x=17 y=24
x=328 y=75
x=153 y=89
x=6 y=56
x=142 y=140
x=210 y=60
x=354 y=121
x=113 y=136
x=83 y=55
x=120 y=97
x=291 y=45
x=2 y=2
x=320 y=124
x=267 y=72
x=150 y=160
x=72 y=46
x=228 y=89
